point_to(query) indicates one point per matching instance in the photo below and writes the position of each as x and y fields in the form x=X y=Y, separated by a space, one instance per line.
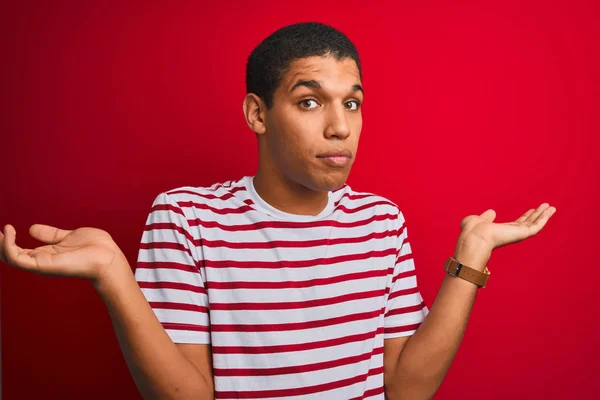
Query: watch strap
x=456 y=268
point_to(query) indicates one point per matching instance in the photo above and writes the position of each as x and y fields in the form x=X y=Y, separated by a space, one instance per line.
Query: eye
x=307 y=102
x=356 y=103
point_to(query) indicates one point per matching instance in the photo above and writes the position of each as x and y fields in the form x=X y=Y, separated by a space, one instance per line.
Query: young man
x=286 y=284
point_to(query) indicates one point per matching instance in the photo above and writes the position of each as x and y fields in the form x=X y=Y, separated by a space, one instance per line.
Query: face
x=312 y=131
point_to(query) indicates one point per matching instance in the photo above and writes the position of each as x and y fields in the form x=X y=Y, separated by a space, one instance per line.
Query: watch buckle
x=457 y=270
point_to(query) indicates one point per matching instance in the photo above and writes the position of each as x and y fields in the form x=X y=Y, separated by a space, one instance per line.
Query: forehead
x=327 y=70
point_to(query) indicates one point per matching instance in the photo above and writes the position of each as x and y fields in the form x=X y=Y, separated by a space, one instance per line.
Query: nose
x=337 y=123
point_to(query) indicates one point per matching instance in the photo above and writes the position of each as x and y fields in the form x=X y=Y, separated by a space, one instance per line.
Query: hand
x=87 y=253
x=481 y=229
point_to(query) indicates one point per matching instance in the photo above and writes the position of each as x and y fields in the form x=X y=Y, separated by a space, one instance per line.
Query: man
x=288 y=283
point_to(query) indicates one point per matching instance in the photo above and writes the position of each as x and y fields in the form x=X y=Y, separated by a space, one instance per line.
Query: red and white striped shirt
x=293 y=305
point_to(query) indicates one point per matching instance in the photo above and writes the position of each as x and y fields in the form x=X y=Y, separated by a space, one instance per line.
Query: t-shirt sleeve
x=405 y=308
x=169 y=274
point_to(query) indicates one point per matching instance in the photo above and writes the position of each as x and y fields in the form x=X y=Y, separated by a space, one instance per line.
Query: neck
x=287 y=196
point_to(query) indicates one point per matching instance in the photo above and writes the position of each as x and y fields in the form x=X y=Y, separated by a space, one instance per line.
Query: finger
x=489 y=215
x=525 y=216
x=545 y=215
x=2 y=256
x=535 y=215
x=48 y=234
x=14 y=254
x=541 y=221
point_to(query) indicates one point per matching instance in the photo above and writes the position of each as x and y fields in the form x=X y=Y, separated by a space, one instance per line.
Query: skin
x=302 y=124
x=293 y=179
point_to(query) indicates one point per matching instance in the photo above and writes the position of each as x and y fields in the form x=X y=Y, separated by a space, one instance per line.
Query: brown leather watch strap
x=456 y=268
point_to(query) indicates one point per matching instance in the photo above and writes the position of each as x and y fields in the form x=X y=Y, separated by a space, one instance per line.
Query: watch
x=455 y=268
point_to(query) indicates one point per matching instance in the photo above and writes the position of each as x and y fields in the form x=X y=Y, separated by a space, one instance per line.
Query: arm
x=415 y=367
x=160 y=368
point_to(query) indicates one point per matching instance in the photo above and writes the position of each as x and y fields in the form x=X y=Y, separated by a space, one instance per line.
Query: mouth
x=336 y=153
x=336 y=158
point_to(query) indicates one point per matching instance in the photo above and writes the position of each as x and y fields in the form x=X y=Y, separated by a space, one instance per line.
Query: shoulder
x=354 y=198
x=216 y=195
x=217 y=192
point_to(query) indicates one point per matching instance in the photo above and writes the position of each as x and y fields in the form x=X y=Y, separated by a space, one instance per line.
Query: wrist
x=473 y=252
x=114 y=277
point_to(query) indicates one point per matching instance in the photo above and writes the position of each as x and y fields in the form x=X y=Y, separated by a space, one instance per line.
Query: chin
x=326 y=182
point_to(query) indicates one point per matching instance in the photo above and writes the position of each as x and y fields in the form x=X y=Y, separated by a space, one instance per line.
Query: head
x=303 y=101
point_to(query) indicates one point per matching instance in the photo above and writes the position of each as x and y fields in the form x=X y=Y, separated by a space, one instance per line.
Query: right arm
x=160 y=368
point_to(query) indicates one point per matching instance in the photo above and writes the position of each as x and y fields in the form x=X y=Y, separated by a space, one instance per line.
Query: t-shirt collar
x=266 y=208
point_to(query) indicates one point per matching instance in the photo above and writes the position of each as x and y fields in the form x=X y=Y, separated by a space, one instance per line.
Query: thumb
x=489 y=215
x=48 y=234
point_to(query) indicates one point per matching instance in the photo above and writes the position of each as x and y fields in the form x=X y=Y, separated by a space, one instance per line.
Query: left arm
x=426 y=357
x=414 y=367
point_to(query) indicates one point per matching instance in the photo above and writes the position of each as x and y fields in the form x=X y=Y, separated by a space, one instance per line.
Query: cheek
x=296 y=137
x=356 y=129
x=283 y=144
x=357 y=123
x=295 y=149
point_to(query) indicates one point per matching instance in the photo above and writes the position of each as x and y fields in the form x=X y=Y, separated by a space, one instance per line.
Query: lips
x=336 y=153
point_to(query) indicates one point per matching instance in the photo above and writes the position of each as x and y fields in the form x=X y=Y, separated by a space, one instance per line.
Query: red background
x=468 y=106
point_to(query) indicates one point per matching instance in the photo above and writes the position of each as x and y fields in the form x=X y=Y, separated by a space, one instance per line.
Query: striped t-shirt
x=292 y=305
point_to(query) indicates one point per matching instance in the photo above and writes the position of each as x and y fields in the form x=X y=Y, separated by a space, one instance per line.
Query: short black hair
x=270 y=60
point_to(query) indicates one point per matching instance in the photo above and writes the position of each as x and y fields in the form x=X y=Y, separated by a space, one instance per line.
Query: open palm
x=83 y=253
x=494 y=235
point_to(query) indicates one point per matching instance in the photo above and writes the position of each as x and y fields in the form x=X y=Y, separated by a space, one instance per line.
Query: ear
x=254 y=111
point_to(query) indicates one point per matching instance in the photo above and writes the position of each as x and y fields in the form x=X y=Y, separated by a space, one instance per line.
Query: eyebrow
x=316 y=85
